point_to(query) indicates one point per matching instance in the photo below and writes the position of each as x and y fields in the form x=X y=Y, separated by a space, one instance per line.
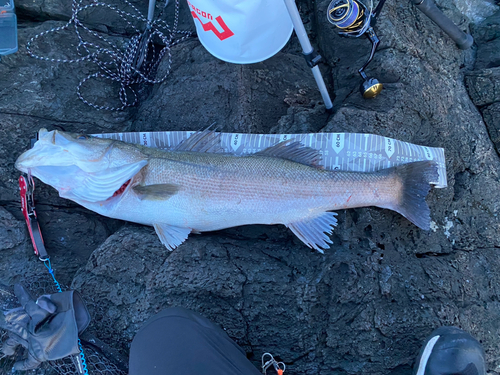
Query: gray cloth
x=179 y=341
x=48 y=327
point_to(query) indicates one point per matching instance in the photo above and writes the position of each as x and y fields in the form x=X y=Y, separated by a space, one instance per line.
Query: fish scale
x=182 y=190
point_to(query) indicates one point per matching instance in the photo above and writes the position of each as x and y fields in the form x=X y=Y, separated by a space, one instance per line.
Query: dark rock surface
x=491 y=115
x=484 y=86
x=11 y=230
x=483 y=83
x=487 y=36
x=363 y=306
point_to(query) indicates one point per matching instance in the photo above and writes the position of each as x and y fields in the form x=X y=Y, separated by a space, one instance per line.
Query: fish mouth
x=34 y=158
x=44 y=154
x=56 y=149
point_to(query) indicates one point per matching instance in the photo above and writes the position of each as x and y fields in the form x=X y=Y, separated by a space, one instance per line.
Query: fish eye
x=82 y=136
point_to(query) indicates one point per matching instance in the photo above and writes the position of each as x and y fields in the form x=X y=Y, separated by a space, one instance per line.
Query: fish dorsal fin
x=156 y=192
x=171 y=236
x=202 y=141
x=99 y=186
x=313 y=231
x=294 y=151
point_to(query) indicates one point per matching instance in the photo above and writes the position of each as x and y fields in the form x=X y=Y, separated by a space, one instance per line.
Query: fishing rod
x=355 y=19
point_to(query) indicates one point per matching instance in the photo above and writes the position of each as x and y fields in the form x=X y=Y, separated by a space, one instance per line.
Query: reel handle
x=370 y=33
x=463 y=40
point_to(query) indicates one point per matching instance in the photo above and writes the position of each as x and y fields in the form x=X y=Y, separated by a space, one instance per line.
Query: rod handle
x=463 y=40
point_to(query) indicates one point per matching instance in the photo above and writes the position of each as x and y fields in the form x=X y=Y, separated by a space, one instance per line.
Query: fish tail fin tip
x=416 y=179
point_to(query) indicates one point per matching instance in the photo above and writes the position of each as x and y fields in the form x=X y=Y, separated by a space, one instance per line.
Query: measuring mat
x=343 y=151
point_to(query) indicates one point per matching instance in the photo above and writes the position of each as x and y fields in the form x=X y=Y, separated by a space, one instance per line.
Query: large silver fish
x=197 y=188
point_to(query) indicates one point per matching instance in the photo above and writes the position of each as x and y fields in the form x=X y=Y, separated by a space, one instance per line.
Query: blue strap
x=59 y=289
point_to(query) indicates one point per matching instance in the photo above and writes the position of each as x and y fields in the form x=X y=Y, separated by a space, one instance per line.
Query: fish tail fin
x=416 y=178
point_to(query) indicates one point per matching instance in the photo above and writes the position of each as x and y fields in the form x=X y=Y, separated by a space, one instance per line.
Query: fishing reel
x=354 y=19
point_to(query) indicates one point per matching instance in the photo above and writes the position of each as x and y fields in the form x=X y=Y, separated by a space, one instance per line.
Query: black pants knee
x=179 y=341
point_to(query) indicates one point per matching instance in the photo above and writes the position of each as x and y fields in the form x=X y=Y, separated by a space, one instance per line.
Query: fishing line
x=352 y=17
x=355 y=19
x=135 y=63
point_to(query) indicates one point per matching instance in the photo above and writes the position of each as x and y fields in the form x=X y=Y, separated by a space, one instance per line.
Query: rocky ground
x=367 y=303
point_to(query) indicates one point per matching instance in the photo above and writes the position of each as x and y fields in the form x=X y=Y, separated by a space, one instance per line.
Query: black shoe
x=450 y=351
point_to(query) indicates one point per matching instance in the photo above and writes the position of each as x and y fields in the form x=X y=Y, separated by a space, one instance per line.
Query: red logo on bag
x=227 y=33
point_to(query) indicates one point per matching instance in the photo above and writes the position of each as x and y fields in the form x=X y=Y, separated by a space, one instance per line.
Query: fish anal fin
x=203 y=141
x=170 y=235
x=294 y=151
x=313 y=231
x=156 y=192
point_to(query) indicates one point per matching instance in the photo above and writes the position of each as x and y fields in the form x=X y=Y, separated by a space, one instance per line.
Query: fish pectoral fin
x=313 y=231
x=156 y=192
x=294 y=151
x=170 y=235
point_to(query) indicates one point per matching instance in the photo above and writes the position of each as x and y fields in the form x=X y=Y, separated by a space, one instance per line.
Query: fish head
x=81 y=167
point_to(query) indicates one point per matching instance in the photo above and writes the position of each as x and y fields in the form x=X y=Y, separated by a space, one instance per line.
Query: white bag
x=241 y=31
